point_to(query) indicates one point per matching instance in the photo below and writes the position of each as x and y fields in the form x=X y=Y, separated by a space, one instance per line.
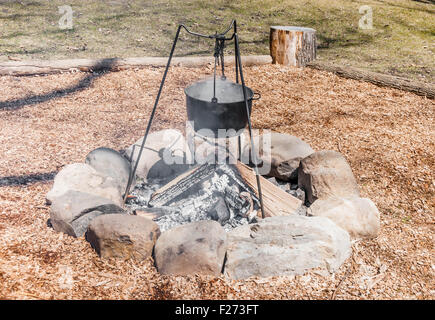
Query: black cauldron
x=228 y=111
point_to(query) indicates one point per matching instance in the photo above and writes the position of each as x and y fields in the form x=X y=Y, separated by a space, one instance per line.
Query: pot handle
x=258 y=96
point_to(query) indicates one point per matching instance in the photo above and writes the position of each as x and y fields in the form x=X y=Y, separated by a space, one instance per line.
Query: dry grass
x=400 y=43
x=388 y=136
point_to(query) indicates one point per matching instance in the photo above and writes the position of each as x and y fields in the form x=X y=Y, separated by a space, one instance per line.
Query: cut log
x=177 y=190
x=379 y=79
x=292 y=46
x=276 y=201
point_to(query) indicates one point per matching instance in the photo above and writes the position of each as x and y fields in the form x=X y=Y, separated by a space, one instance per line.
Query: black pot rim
x=249 y=92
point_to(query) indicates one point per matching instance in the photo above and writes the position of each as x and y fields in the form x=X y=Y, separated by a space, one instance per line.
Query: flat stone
x=123 y=236
x=326 y=174
x=358 y=216
x=281 y=153
x=197 y=247
x=84 y=178
x=165 y=155
x=110 y=163
x=286 y=245
x=72 y=212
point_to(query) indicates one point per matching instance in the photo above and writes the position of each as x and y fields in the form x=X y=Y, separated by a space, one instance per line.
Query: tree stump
x=292 y=46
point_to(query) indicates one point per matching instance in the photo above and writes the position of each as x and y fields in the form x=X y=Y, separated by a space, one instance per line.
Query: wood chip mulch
x=46 y=122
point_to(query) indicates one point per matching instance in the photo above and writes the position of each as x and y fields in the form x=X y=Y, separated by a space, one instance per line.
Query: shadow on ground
x=13 y=181
x=99 y=70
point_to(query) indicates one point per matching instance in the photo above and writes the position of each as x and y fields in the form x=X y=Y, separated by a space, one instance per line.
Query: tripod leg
x=254 y=154
x=130 y=180
x=235 y=53
x=239 y=147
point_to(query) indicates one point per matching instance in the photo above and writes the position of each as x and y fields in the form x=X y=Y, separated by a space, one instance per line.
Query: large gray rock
x=325 y=174
x=286 y=245
x=281 y=153
x=123 y=236
x=164 y=155
x=197 y=247
x=358 y=216
x=72 y=212
x=84 y=178
x=110 y=163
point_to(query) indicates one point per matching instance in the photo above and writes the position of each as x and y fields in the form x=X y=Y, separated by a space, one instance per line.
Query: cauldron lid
x=226 y=91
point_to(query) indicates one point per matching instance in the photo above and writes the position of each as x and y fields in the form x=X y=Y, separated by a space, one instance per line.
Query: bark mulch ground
x=46 y=122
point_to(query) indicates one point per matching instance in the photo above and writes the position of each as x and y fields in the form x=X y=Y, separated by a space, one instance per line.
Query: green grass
x=401 y=43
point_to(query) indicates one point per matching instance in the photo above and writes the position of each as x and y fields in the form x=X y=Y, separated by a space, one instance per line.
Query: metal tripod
x=220 y=38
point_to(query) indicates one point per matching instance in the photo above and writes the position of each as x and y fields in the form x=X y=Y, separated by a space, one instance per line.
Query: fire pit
x=217 y=108
x=219 y=215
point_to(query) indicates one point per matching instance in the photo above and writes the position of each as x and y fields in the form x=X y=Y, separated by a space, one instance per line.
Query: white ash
x=223 y=183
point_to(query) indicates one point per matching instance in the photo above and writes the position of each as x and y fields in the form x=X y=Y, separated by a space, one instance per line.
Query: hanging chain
x=219 y=53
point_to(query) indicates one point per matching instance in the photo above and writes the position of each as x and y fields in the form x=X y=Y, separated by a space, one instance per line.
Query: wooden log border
x=379 y=79
x=40 y=67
